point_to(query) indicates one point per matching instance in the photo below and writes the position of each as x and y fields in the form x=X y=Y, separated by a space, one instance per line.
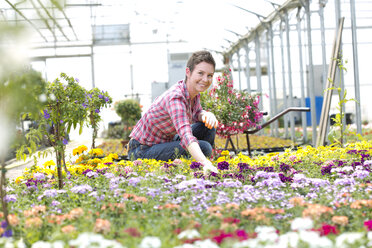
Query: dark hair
x=198 y=57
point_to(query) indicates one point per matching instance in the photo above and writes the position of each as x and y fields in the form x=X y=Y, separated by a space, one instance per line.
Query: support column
x=247 y=68
x=275 y=103
x=311 y=72
x=290 y=86
x=258 y=68
x=285 y=104
x=356 y=67
x=239 y=69
x=303 y=103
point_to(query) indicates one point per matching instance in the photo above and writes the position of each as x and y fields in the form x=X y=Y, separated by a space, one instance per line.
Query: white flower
x=189 y=234
x=301 y=224
x=186 y=246
x=290 y=239
x=314 y=240
x=88 y=240
x=207 y=243
x=347 y=239
x=41 y=244
x=150 y=242
x=369 y=237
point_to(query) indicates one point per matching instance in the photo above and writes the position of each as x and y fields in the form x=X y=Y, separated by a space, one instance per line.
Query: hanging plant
x=235 y=110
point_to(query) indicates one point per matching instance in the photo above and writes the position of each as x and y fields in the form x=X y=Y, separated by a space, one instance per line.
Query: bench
x=276 y=117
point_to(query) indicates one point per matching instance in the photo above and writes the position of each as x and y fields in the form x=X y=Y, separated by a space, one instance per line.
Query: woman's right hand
x=208 y=166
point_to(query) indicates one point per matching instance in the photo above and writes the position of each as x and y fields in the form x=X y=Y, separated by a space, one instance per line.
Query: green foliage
x=120 y=131
x=96 y=101
x=337 y=132
x=129 y=111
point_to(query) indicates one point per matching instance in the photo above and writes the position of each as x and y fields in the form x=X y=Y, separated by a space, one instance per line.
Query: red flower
x=326 y=229
x=231 y=220
x=368 y=224
x=132 y=231
x=220 y=238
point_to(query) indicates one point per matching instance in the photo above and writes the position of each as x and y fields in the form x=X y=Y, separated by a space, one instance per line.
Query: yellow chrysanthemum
x=225 y=153
x=49 y=163
x=96 y=152
x=79 y=150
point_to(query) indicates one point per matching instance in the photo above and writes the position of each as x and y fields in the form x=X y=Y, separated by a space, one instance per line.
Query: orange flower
x=58 y=219
x=68 y=229
x=297 y=201
x=170 y=206
x=13 y=219
x=358 y=204
x=75 y=213
x=102 y=225
x=232 y=206
x=340 y=220
x=34 y=222
x=315 y=211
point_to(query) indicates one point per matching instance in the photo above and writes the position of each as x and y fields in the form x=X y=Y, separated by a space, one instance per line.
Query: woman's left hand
x=209 y=120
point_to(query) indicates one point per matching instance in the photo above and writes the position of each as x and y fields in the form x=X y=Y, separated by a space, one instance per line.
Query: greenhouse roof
x=210 y=24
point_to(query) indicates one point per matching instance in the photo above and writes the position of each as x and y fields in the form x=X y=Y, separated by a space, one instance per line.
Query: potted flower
x=236 y=110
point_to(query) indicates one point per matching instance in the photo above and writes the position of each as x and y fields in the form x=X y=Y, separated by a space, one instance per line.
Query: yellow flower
x=49 y=163
x=225 y=153
x=79 y=150
x=19 y=179
x=96 y=152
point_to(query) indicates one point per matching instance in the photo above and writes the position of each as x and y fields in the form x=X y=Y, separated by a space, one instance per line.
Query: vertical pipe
x=239 y=69
x=356 y=67
x=258 y=68
x=92 y=65
x=311 y=72
x=341 y=73
x=269 y=80
x=275 y=104
x=248 y=68
x=285 y=105
x=323 y=43
x=290 y=86
x=304 y=120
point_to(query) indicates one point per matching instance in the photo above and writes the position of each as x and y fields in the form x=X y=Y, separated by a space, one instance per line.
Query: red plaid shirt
x=168 y=115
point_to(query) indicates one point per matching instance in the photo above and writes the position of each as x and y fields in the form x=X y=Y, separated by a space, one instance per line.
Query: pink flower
x=137 y=162
x=368 y=225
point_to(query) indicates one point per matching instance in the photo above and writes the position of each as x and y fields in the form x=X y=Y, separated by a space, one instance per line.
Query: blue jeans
x=172 y=150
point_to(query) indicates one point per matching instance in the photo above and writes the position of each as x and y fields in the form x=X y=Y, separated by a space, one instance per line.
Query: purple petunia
x=10 y=198
x=97 y=110
x=107 y=99
x=100 y=96
x=223 y=165
x=195 y=165
x=81 y=189
x=65 y=142
x=84 y=105
x=91 y=174
x=46 y=115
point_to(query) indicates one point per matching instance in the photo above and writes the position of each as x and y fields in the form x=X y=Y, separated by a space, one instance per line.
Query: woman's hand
x=208 y=166
x=209 y=120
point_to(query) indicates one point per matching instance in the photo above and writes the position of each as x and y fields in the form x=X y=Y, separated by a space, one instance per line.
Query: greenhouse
x=185 y=124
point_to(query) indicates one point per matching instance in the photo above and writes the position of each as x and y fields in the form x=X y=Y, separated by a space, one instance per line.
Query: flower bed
x=305 y=198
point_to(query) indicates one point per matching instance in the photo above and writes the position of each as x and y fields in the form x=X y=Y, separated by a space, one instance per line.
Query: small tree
x=130 y=112
x=67 y=106
x=96 y=101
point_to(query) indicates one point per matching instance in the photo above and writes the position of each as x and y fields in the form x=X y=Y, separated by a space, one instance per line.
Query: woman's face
x=200 y=78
